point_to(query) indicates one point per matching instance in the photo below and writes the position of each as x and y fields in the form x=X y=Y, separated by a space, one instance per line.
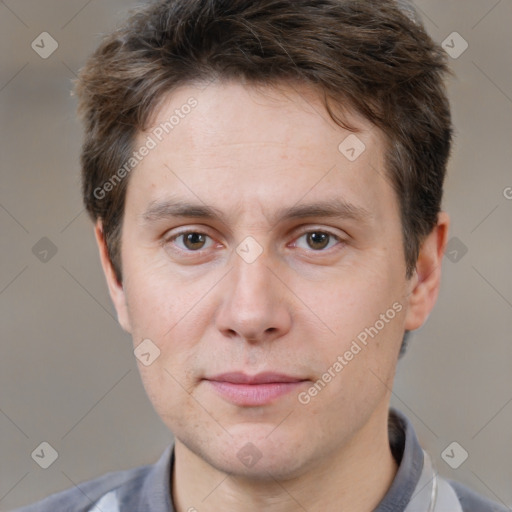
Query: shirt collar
x=409 y=454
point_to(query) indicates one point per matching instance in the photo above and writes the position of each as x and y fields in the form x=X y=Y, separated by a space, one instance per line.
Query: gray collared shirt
x=148 y=488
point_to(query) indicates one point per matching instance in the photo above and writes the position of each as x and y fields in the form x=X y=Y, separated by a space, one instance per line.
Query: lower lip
x=254 y=394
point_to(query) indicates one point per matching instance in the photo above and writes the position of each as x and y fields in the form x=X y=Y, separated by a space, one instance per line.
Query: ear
x=114 y=287
x=426 y=281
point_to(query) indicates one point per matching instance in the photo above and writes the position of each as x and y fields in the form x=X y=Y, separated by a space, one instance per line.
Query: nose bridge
x=252 y=287
x=252 y=306
x=251 y=256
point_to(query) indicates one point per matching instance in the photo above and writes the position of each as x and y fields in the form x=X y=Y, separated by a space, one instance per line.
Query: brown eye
x=317 y=240
x=193 y=240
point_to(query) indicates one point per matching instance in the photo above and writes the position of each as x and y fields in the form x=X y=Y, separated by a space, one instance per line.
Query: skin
x=250 y=152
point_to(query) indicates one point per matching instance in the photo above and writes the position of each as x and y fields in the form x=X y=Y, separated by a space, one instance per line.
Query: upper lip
x=260 y=378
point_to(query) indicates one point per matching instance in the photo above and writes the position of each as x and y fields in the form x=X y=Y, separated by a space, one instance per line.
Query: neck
x=355 y=477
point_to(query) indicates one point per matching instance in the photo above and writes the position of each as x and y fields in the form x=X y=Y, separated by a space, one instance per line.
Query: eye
x=196 y=241
x=319 y=240
x=192 y=241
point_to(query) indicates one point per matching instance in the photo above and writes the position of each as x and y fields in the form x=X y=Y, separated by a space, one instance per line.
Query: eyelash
x=193 y=253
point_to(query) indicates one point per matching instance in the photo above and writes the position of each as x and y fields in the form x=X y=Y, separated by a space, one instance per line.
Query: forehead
x=256 y=146
x=230 y=112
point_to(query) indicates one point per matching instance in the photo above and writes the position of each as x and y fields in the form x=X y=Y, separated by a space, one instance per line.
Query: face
x=252 y=244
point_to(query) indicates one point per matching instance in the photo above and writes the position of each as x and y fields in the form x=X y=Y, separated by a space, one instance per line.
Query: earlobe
x=426 y=282
x=116 y=290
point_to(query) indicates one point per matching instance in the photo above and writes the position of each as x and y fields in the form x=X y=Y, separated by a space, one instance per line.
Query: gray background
x=67 y=371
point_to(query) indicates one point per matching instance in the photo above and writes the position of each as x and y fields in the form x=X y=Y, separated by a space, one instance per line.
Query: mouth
x=261 y=389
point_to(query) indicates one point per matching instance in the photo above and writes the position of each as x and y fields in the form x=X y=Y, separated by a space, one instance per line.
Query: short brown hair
x=368 y=54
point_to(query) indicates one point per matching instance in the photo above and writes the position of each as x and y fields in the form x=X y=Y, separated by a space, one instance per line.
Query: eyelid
x=321 y=229
x=341 y=239
x=304 y=230
x=170 y=238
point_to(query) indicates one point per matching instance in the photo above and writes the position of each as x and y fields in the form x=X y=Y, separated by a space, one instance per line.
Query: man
x=265 y=179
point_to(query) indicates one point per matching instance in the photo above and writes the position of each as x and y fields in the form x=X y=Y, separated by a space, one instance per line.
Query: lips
x=253 y=390
x=260 y=378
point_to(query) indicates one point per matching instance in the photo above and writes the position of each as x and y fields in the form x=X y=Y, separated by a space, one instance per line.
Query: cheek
x=358 y=361
x=169 y=313
x=364 y=321
x=151 y=300
x=356 y=301
x=168 y=394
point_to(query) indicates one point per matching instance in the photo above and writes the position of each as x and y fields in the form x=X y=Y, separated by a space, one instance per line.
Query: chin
x=258 y=454
x=253 y=449
x=284 y=465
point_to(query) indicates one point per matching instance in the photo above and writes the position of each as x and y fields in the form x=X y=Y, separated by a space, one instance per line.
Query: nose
x=254 y=306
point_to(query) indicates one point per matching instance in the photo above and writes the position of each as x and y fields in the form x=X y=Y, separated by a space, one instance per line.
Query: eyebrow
x=331 y=208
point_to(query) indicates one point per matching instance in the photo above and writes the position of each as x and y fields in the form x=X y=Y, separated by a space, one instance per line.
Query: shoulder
x=82 y=497
x=474 y=502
